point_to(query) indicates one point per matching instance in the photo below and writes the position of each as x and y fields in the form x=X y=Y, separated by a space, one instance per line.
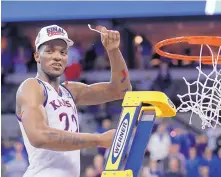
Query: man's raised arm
x=119 y=82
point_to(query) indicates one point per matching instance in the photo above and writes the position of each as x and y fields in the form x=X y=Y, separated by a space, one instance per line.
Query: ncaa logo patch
x=121 y=137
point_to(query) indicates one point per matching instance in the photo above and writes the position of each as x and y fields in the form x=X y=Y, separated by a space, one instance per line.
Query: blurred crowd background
x=176 y=148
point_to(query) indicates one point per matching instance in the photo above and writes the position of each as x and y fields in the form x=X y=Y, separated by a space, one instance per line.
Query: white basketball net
x=205 y=101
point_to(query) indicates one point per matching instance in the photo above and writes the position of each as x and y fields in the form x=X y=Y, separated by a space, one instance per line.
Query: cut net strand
x=206 y=100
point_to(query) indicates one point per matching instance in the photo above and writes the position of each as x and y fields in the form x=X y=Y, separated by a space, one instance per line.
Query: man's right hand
x=106 y=138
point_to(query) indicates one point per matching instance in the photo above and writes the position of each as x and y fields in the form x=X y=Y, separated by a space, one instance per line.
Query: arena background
x=141 y=24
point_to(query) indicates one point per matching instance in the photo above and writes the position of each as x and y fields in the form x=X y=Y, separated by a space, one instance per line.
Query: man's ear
x=37 y=57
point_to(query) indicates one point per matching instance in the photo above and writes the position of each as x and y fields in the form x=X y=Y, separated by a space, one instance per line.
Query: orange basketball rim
x=201 y=40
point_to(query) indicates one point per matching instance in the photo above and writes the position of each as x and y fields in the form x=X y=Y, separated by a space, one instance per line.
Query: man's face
x=52 y=57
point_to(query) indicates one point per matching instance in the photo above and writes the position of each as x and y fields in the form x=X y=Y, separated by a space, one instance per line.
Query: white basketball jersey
x=62 y=114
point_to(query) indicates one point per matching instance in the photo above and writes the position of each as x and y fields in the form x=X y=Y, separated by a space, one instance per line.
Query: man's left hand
x=110 y=39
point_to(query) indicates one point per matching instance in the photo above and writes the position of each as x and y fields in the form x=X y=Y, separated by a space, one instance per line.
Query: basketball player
x=47 y=111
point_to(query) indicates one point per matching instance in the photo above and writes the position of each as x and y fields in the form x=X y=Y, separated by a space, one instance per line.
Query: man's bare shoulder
x=74 y=87
x=28 y=83
x=74 y=84
x=27 y=88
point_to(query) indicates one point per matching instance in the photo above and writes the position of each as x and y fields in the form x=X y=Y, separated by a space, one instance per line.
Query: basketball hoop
x=206 y=100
